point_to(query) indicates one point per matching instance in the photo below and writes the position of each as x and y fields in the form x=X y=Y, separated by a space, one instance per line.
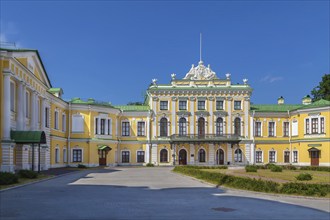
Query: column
x=211 y=154
x=246 y=118
x=252 y=148
x=211 y=117
x=173 y=123
x=6 y=106
x=192 y=152
x=42 y=122
x=229 y=154
x=229 y=121
x=192 y=118
x=247 y=158
x=20 y=106
x=99 y=126
x=147 y=153
x=154 y=154
x=33 y=122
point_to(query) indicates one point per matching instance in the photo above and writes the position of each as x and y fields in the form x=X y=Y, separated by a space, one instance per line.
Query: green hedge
x=276 y=168
x=82 y=166
x=304 y=176
x=251 y=168
x=326 y=169
x=8 y=178
x=150 y=165
x=206 y=167
x=258 y=185
x=27 y=174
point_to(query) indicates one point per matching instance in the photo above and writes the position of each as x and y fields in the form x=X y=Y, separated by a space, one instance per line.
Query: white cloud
x=270 y=79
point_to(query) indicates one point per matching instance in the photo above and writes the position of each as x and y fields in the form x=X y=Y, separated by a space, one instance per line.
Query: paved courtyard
x=147 y=193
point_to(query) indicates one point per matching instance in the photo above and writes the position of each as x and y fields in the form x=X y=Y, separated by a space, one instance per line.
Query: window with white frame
x=219 y=126
x=63 y=122
x=238 y=157
x=163 y=105
x=47 y=117
x=125 y=156
x=237 y=105
x=102 y=124
x=315 y=125
x=257 y=129
x=286 y=129
x=201 y=105
x=109 y=127
x=12 y=96
x=286 y=156
x=272 y=156
x=27 y=104
x=56 y=119
x=163 y=123
x=307 y=126
x=258 y=156
x=65 y=156
x=57 y=155
x=125 y=128
x=141 y=127
x=76 y=155
x=77 y=123
x=271 y=129
x=219 y=105
x=182 y=105
x=201 y=156
x=140 y=156
x=182 y=126
x=295 y=157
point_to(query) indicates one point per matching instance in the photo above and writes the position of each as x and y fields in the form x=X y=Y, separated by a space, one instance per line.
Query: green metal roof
x=316 y=104
x=104 y=147
x=133 y=108
x=28 y=137
x=55 y=90
x=90 y=102
x=29 y=50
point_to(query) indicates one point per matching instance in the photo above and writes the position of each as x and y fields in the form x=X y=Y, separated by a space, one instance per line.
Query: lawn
x=280 y=177
x=22 y=181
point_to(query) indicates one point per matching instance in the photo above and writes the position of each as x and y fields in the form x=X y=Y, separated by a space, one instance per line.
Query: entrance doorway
x=220 y=157
x=182 y=157
x=315 y=155
x=103 y=152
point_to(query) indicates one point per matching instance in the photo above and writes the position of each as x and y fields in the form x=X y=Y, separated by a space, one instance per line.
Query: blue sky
x=110 y=50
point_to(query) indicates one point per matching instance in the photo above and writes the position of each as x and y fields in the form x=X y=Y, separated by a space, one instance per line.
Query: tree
x=322 y=91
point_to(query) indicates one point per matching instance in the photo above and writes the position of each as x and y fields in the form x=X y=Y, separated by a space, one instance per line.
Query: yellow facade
x=198 y=120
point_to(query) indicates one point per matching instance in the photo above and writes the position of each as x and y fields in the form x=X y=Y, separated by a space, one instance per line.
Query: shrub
x=270 y=165
x=289 y=167
x=276 y=168
x=8 y=178
x=27 y=174
x=304 y=176
x=150 y=165
x=82 y=166
x=305 y=189
x=326 y=169
x=251 y=168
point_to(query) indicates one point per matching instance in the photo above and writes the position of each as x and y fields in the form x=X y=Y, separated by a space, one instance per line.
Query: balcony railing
x=206 y=137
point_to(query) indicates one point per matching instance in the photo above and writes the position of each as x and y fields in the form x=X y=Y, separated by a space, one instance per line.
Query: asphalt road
x=147 y=193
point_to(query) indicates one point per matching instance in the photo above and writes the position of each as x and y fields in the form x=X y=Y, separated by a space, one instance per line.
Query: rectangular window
x=56 y=119
x=57 y=155
x=141 y=128
x=286 y=156
x=182 y=105
x=295 y=157
x=63 y=122
x=109 y=127
x=271 y=129
x=286 y=129
x=96 y=126
x=125 y=129
x=237 y=105
x=201 y=105
x=140 y=156
x=272 y=156
x=64 y=156
x=307 y=126
x=12 y=97
x=125 y=156
x=257 y=129
x=219 y=105
x=163 y=105
x=322 y=126
x=103 y=126
x=76 y=155
x=258 y=156
x=47 y=117
x=315 y=125
x=27 y=104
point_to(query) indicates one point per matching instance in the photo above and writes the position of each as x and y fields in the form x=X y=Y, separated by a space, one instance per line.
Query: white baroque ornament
x=173 y=75
x=200 y=72
x=154 y=81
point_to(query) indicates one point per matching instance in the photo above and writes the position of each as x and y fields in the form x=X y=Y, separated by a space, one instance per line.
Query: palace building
x=201 y=119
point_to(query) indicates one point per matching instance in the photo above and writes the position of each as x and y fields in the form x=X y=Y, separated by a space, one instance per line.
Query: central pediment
x=200 y=72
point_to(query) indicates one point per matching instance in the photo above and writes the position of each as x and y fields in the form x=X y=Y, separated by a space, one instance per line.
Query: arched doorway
x=201 y=126
x=220 y=157
x=182 y=157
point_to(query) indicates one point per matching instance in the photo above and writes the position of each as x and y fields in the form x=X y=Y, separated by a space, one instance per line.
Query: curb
x=254 y=192
x=39 y=181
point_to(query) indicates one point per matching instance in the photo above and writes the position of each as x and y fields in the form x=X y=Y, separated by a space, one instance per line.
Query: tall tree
x=322 y=91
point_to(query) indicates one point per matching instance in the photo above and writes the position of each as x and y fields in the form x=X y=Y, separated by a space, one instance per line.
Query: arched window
x=163 y=127
x=237 y=126
x=201 y=155
x=219 y=126
x=163 y=156
x=238 y=155
x=182 y=127
x=201 y=126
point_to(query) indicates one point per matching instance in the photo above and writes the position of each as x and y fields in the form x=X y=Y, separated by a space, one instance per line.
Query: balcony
x=193 y=138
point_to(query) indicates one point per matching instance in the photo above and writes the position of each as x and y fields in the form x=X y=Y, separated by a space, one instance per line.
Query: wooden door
x=103 y=158
x=182 y=157
x=315 y=158
x=220 y=157
x=287 y=157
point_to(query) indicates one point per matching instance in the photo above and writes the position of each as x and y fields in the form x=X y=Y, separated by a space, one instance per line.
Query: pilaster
x=211 y=154
x=192 y=152
x=6 y=106
x=7 y=164
x=229 y=154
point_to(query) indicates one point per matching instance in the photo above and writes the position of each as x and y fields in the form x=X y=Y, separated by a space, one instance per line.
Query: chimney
x=280 y=100
x=307 y=100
